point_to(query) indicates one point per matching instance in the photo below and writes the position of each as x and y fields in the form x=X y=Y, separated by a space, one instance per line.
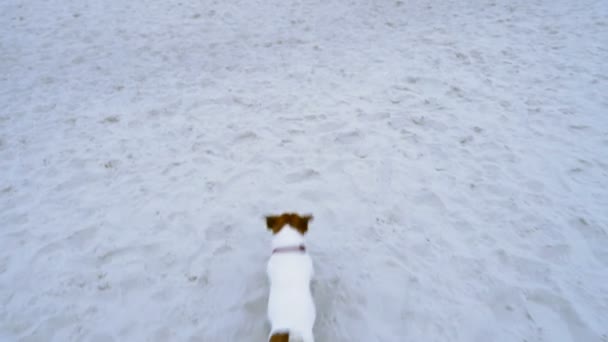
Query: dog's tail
x=286 y=337
x=280 y=337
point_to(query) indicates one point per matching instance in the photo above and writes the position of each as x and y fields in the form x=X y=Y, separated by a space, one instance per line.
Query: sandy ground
x=454 y=154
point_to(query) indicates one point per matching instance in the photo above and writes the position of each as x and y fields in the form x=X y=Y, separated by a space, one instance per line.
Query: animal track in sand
x=595 y=236
x=138 y=252
x=301 y=176
x=430 y=200
x=544 y=304
x=525 y=268
x=246 y=137
x=218 y=231
x=348 y=137
x=555 y=253
x=329 y=126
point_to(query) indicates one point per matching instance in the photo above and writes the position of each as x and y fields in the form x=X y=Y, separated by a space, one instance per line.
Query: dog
x=291 y=310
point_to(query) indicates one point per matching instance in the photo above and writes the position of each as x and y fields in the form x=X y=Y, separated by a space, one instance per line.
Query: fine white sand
x=454 y=154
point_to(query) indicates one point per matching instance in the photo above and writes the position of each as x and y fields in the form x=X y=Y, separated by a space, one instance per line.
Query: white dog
x=291 y=310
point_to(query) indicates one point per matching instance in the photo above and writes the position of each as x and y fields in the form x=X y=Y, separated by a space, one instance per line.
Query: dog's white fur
x=290 y=305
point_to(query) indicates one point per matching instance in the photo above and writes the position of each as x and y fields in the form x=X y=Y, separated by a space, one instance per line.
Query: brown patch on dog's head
x=279 y=337
x=300 y=223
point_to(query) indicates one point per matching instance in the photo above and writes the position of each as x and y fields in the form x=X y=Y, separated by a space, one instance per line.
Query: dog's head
x=299 y=223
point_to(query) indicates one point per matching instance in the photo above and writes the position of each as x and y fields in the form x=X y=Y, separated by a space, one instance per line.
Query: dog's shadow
x=256 y=326
x=325 y=288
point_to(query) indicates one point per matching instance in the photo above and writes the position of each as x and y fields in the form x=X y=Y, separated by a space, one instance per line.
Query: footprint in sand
x=373 y=117
x=525 y=268
x=4 y=261
x=246 y=137
x=101 y=337
x=552 y=311
x=301 y=176
x=218 y=231
x=555 y=253
x=324 y=292
x=431 y=201
x=48 y=328
x=141 y=252
x=223 y=249
x=595 y=236
x=509 y=305
x=257 y=296
x=348 y=137
x=329 y=126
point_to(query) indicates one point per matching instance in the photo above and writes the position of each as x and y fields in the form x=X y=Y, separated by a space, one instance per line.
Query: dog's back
x=290 y=305
x=291 y=309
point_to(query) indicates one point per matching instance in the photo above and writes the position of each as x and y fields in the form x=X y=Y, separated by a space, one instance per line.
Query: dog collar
x=300 y=248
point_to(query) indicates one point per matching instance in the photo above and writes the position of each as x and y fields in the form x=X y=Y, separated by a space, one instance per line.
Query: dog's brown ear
x=276 y=223
x=271 y=221
x=301 y=223
x=305 y=219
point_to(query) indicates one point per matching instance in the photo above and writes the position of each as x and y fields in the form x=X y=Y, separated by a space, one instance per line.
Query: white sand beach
x=454 y=155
